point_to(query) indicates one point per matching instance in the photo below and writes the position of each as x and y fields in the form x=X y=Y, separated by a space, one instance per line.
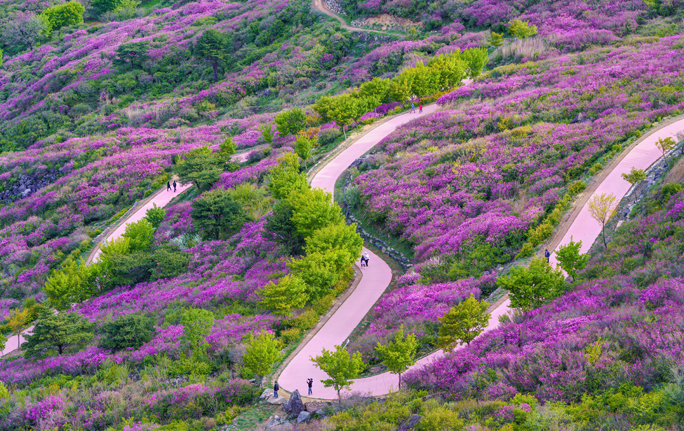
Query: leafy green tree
x=168 y=262
x=313 y=209
x=339 y=237
x=17 y=322
x=57 y=332
x=450 y=70
x=318 y=272
x=285 y=178
x=106 y=5
x=131 y=330
x=399 y=355
x=665 y=144
x=197 y=324
x=218 y=215
x=201 y=167
x=280 y=228
x=73 y=283
x=261 y=353
x=533 y=286
x=476 y=59
x=212 y=47
x=495 y=39
x=290 y=122
x=131 y=55
x=634 y=176
x=521 y=29
x=602 y=208
x=155 y=215
x=401 y=88
x=227 y=148
x=64 y=15
x=282 y=297
x=3 y=342
x=139 y=235
x=570 y=259
x=303 y=145
x=376 y=88
x=25 y=30
x=127 y=269
x=267 y=133
x=346 y=108
x=462 y=323
x=341 y=367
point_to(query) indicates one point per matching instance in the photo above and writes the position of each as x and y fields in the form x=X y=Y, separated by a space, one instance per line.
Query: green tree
x=131 y=55
x=280 y=228
x=131 y=330
x=267 y=133
x=139 y=235
x=313 y=209
x=64 y=15
x=634 y=176
x=521 y=29
x=290 y=122
x=261 y=353
x=570 y=259
x=197 y=324
x=495 y=39
x=399 y=355
x=202 y=167
x=17 y=322
x=227 y=148
x=339 y=237
x=665 y=144
x=106 y=5
x=347 y=108
x=3 y=342
x=289 y=293
x=73 y=283
x=602 y=207
x=212 y=47
x=303 y=145
x=155 y=215
x=317 y=272
x=476 y=59
x=401 y=88
x=218 y=215
x=285 y=178
x=340 y=366
x=57 y=332
x=377 y=89
x=533 y=286
x=462 y=323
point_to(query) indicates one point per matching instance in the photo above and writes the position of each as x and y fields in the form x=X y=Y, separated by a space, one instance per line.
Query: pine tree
x=212 y=46
x=57 y=332
x=399 y=355
x=462 y=323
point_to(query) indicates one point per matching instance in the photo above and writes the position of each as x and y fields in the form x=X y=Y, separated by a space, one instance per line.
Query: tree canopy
x=533 y=286
x=57 y=332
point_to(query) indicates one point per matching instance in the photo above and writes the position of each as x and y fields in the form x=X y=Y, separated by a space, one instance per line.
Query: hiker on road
x=275 y=389
x=309 y=383
x=547 y=255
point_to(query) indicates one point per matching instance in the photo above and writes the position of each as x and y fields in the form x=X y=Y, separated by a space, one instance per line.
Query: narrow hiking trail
x=161 y=199
x=322 y=7
x=376 y=278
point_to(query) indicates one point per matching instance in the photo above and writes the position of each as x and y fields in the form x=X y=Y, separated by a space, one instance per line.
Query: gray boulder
x=295 y=406
x=303 y=417
x=410 y=423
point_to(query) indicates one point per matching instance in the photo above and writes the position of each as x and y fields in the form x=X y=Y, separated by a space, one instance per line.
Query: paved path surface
x=377 y=276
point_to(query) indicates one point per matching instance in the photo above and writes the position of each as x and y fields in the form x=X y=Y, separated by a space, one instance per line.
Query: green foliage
x=72 y=283
x=665 y=144
x=537 y=235
x=64 y=15
x=570 y=259
x=155 y=215
x=280 y=228
x=267 y=133
x=261 y=353
x=4 y=393
x=577 y=187
x=533 y=286
x=290 y=122
x=285 y=177
x=495 y=39
x=3 y=342
x=227 y=148
x=303 y=145
x=313 y=210
x=106 y=5
x=197 y=324
x=399 y=355
x=57 y=332
x=339 y=237
x=475 y=261
x=218 y=215
x=317 y=272
x=439 y=417
x=634 y=176
x=290 y=292
x=476 y=59
x=340 y=366
x=202 y=167
x=521 y=29
x=121 y=269
x=131 y=55
x=462 y=323
x=131 y=330
x=212 y=46
x=139 y=235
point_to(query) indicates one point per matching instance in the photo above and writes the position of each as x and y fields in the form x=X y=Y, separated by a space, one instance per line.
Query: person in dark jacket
x=275 y=389
x=168 y=186
x=174 y=186
x=547 y=255
x=309 y=383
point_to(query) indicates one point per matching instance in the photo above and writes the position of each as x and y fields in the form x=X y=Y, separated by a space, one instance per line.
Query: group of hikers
x=168 y=186
x=413 y=108
x=276 y=387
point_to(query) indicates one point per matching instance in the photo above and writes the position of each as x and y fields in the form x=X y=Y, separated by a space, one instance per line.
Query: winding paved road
x=378 y=275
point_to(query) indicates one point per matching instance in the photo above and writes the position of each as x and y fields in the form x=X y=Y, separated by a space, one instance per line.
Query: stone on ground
x=303 y=417
x=295 y=405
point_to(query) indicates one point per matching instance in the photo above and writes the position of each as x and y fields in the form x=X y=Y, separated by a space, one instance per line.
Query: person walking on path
x=420 y=109
x=309 y=383
x=365 y=256
x=547 y=255
x=174 y=186
x=275 y=389
x=413 y=108
x=363 y=261
x=168 y=186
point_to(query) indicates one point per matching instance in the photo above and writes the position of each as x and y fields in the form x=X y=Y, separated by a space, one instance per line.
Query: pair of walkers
x=413 y=108
x=364 y=259
x=168 y=186
x=276 y=387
